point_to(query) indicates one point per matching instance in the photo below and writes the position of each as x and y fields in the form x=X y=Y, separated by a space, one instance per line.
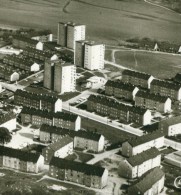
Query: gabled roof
x=25 y=39
x=145 y=138
x=166 y=84
x=19 y=154
x=88 y=135
x=143 y=156
x=20 y=60
x=6 y=117
x=151 y=96
x=171 y=121
x=77 y=166
x=136 y=74
x=147 y=181
x=138 y=110
x=120 y=85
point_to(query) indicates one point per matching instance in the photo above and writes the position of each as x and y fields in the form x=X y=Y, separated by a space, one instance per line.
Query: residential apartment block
x=137 y=78
x=38 y=101
x=170 y=126
x=165 y=88
x=9 y=74
x=116 y=110
x=59 y=119
x=119 y=89
x=89 y=140
x=60 y=76
x=20 y=160
x=153 y=101
x=62 y=34
x=8 y=120
x=61 y=149
x=136 y=166
x=84 y=174
x=137 y=145
x=151 y=183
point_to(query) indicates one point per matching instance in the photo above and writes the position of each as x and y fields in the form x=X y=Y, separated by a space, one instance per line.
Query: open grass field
x=107 y=20
x=158 y=64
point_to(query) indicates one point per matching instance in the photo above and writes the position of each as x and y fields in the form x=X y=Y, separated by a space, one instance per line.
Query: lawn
x=158 y=64
x=109 y=21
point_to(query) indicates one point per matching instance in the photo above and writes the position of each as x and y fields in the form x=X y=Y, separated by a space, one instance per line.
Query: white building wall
x=136 y=89
x=10 y=125
x=167 y=105
x=58 y=106
x=78 y=123
x=101 y=144
x=174 y=129
x=54 y=57
x=64 y=151
x=14 y=77
x=40 y=164
x=39 y=46
x=35 y=67
x=147 y=118
x=149 y=81
x=179 y=94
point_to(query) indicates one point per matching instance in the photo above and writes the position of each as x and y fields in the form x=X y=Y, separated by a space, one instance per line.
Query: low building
x=136 y=166
x=174 y=159
x=153 y=101
x=8 y=120
x=21 y=160
x=84 y=174
x=89 y=141
x=137 y=145
x=61 y=149
x=140 y=79
x=150 y=183
x=51 y=134
x=166 y=88
x=38 y=101
x=59 y=119
x=95 y=82
x=170 y=126
x=120 y=89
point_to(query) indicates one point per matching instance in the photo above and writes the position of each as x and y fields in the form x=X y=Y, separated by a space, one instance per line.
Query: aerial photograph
x=90 y=97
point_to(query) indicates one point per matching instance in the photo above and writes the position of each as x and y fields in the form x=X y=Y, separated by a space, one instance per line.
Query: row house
x=9 y=74
x=60 y=149
x=166 y=88
x=120 y=89
x=38 y=101
x=139 y=144
x=8 y=120
x=89 y=140
x=136 y=78
x=116 y=110
x=23 y=42
x=83 y=174
x=170 y=126
x=136 y=166
x=59 y=119
x=51 y=134
x=33 y=53
x=150 y=183
x=21 y=160
x=153 y=101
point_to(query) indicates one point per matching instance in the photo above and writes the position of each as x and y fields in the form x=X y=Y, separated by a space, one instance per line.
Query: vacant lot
x=107 y=20
x=157 y=64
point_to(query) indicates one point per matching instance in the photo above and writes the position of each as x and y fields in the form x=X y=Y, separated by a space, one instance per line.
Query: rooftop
x=171 y=121
x=25 y=39
x=166 y=84
x=88 y=135
x=133 y=73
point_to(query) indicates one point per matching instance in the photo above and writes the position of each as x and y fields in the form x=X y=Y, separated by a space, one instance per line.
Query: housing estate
x=89 y=140
x=139 y=144
x=59 y=119
x=61 y=149
x=84 y=174
x=140 y=79
x=20 y=160
x=38 y=101
x=151 y=183
x=166 y=88
x=119 y=89
x=135 y=166
x=153 y=101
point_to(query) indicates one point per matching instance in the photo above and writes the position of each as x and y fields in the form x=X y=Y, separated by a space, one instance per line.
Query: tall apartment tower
x=48 y=81
x=75 y=32
x=79 y=53
x=94 y=56
x=62 y=34
x=65 y=77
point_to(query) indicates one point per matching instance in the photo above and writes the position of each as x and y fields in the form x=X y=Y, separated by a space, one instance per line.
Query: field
x=107 y=20
x=158 y=64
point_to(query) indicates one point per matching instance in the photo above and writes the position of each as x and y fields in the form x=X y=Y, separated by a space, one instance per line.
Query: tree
x=5 y=135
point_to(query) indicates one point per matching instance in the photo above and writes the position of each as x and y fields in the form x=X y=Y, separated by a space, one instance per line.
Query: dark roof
x=171 y=121
x=143 y=156
x=133 y=73
x=20 y=60
x=19 y=154
x=166 y=84
x=178 y=77
x=120 y=85
x=145 y=138
x=147 y=181
x=77 y=166
x=4 y=117
x=51 y=115
x=25 y=39
x=138 y=110
x=88 y=135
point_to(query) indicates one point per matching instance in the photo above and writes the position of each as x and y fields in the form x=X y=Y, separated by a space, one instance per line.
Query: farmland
x=109 y=21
